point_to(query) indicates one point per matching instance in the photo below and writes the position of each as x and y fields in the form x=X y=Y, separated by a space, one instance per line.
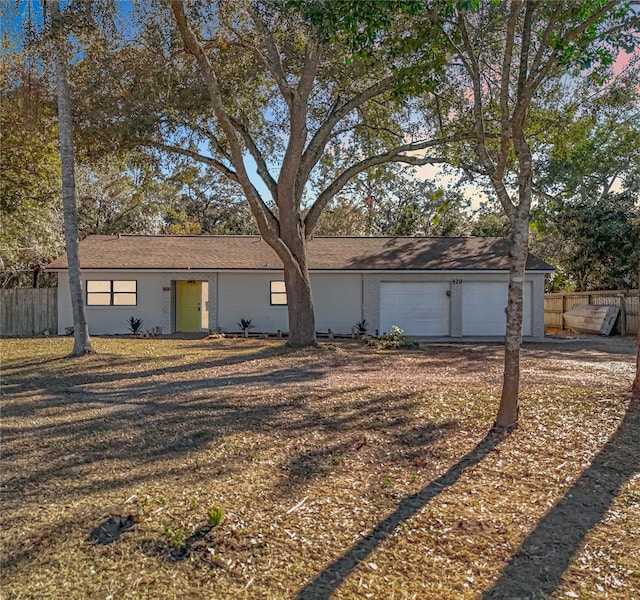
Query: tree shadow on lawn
x=332 y=577
x=409 y=439
x=589 y=354
x=173 y=429
x=157 y=406
x=537 y=568
x=153 y=420
x=60 y=383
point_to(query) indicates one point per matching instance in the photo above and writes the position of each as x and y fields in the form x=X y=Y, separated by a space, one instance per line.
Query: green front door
x=188 y=295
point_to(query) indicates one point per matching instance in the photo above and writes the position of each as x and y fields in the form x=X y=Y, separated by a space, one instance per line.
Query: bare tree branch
x=490 y=168
x=309 y=69
x=525 y=47
x=272 y=59
x=545 y=39
x=505 y=79
x=215 y=142
x=539 y=192
x=570 y=36
x=394 y=155
x=267 y=222
x=206 y=160
x=313 y=152
x=263 y=169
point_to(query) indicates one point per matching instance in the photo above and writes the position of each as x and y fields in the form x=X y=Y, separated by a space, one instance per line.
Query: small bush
x=135 y=324
x=215 y=516
x=361 y=326
x=395 y=339
x=177 y=536
x=337 y=458
x=68 y=330
x=245 y=324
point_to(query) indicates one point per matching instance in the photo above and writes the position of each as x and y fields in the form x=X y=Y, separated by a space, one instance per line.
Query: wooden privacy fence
x=28 y=311
x=626 y=324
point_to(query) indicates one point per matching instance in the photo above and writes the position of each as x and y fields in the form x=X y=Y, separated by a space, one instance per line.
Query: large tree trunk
x=82 y=343
x=302 y=327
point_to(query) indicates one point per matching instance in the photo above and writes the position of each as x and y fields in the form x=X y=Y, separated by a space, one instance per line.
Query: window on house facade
x=278 y=293
x=112 y=293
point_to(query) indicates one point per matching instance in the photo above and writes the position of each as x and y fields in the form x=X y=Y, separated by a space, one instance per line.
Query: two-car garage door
x=424 y=308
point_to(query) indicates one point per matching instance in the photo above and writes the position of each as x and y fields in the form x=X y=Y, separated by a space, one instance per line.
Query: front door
x=188 y=297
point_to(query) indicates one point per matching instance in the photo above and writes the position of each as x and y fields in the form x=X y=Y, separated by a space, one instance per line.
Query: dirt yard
x=211 y=469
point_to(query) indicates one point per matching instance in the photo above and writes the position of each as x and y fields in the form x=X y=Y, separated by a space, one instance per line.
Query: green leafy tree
x=504 y=58
x=30 y=204
x=206 y=203
x=258 y=89
x=490 y=221
x=114 y=197
x=390 y=200
x=535 y=44
x=588 y=187
x=599 y=242
x=319 y=103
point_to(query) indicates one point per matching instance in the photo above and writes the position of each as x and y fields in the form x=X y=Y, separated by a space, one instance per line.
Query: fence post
x=564 y=310
x=623 y=315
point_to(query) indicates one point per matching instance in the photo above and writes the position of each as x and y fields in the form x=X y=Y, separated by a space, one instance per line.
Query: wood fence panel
x=28 y=311
x=627 y=323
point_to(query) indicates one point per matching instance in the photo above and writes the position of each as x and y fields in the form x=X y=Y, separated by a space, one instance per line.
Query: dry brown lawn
x=342 y=472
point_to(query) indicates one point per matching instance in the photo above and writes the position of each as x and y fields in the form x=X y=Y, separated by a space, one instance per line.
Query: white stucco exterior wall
x=106 y=320
x=340 y=300
x=337 y=299
x=247 y=296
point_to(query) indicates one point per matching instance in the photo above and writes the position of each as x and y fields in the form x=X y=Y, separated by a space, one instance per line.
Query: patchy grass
x=241 y=469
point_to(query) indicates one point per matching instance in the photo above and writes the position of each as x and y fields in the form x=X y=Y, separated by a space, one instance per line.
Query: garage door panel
x=418 y=308
x=483 y=308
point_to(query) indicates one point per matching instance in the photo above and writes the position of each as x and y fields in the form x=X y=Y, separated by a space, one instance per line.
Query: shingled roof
x=232 y=252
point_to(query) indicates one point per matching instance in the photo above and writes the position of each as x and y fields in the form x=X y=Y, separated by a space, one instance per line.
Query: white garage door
x=483 y=308
x=417 y=308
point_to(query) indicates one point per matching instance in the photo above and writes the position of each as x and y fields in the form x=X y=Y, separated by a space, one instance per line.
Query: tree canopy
x=256 y=92
x=30 y=204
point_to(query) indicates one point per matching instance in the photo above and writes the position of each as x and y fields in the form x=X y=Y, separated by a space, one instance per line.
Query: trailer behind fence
x=28 y=311
x=557 y=304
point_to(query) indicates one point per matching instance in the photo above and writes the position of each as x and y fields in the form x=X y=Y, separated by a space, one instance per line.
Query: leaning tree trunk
x=82 y=343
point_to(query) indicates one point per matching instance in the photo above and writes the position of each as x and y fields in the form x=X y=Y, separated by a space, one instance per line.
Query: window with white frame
x=112 y=293
x=278 y=293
